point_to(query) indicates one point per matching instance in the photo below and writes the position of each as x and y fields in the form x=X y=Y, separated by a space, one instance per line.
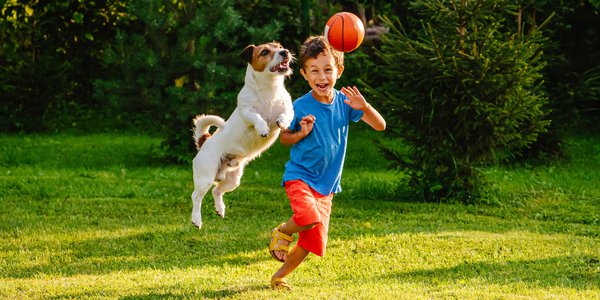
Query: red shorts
x=310 y=207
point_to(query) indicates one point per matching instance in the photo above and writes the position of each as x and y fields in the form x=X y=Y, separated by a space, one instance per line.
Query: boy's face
x=321 y=74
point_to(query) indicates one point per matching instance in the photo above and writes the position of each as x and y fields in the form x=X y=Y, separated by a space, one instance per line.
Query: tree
x=572 y=75
x=463 y=90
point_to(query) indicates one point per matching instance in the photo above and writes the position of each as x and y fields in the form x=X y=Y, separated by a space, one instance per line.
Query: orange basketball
x=344 y=31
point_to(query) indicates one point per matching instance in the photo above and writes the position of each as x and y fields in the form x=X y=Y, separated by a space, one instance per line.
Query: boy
x=318 y=136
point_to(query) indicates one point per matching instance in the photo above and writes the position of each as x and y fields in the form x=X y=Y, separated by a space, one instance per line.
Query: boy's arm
x=289 y=137
x=357 y=101
x=373 y=118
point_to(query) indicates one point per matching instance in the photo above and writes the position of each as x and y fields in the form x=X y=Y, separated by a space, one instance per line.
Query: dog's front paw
x=262 y=128
x=284 y=121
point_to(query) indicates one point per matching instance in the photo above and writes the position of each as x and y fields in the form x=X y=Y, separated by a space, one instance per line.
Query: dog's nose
x=284 y=53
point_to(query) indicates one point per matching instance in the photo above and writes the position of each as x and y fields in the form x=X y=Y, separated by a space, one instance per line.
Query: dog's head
x=271 y=57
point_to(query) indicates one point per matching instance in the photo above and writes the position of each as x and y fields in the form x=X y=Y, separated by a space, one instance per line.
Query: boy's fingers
x=349 y=91
x=309 y=118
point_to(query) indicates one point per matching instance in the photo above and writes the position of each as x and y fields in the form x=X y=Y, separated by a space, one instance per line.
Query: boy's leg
x=294 y=259
x=289 y=228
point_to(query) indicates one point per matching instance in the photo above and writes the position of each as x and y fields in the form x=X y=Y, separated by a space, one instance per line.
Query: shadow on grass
x=576 y=272
x=142 y=252
x=205 y=294
x=148 y=296
x=226 y=293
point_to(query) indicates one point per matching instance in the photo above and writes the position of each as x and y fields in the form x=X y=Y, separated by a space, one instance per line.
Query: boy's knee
x=310 y=226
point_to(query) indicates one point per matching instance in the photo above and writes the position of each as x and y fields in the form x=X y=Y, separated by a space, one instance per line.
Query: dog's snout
x=284 y=52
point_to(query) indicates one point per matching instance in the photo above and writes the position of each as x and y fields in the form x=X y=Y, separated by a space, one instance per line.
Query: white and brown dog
x=263 y=108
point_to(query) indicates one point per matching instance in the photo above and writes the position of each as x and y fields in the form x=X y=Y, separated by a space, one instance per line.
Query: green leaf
x=77 y=17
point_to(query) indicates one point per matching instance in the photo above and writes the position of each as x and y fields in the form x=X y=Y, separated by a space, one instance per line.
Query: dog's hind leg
x=204 y=174
x=230 y=183
x=197 y=196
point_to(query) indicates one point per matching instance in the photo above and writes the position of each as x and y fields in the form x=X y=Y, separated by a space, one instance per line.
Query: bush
x=462 y=90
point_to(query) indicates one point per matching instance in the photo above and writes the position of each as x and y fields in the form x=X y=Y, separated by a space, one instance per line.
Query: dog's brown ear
x=246 y=54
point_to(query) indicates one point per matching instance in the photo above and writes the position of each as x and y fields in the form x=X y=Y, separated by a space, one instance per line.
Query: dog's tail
x=202 y=124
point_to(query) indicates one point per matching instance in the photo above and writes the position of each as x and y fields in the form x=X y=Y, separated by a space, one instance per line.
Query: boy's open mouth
x=322 y=86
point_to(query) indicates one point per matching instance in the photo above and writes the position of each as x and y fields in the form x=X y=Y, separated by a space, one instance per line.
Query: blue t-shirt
x=318 y=158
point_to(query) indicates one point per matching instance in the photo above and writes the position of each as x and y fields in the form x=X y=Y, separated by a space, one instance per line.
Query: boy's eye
x=264 y=52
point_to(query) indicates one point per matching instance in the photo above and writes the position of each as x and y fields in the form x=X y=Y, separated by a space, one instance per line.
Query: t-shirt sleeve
x=355 y=115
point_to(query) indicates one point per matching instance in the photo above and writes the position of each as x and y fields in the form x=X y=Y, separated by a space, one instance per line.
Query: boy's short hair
x=315 y=45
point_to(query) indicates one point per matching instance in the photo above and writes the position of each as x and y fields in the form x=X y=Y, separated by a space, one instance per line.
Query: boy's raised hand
x=307 y=124
x=355 y=98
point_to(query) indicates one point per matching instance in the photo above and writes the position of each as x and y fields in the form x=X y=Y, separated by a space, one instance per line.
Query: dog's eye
x=264 y=52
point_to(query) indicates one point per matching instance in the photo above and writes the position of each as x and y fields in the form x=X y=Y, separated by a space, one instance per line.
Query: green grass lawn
x=99 y=216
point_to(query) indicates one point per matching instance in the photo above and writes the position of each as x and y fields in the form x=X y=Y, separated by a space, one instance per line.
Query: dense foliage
x=461 y=90
x=50 y=52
